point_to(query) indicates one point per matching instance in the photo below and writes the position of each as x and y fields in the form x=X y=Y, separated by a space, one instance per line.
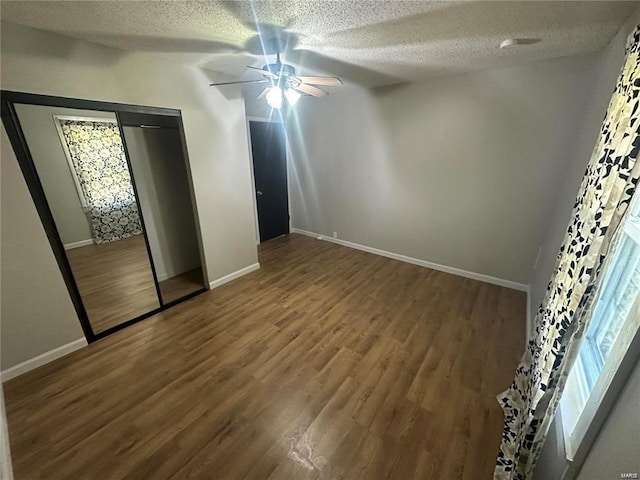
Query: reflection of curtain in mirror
x=101 y=167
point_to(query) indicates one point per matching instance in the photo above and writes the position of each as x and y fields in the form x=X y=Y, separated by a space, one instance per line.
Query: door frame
x=18 y=142
x=250 y=119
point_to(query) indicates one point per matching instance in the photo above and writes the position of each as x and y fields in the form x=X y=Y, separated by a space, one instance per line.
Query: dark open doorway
x=269 y=153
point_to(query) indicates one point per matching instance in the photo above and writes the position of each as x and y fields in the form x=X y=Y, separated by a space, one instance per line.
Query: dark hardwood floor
x=114 y=273
x=181 y=285
x=119 y=273
x=326 y=363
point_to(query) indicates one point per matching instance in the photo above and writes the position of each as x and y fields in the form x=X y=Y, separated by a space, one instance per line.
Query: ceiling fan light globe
x=292 y=96
x=274 y=97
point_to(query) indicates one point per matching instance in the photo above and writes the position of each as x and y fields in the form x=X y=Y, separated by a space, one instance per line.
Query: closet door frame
x=8 y=99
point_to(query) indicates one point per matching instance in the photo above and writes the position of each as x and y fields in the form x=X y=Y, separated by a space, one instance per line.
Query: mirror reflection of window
x=80 y=161
x=99 y=167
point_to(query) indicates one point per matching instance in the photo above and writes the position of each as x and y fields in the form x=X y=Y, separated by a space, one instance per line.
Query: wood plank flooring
x=181 y=285
x=326 y=363
x=114 y=273
x=119 y=273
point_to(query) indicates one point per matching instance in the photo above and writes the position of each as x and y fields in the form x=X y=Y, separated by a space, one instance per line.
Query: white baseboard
x=81 y=243
x=529 y=331
x=232 y=276
x=40 y=360
x=422 y=263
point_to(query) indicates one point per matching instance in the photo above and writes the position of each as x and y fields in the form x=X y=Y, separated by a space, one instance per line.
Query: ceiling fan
x=284 y=83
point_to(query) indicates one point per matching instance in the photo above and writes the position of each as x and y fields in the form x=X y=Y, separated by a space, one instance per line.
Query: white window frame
x=581 y=419
x=57 y=120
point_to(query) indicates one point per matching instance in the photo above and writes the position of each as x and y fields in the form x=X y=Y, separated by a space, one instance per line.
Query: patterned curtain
x=101 y=167
x=605 y=193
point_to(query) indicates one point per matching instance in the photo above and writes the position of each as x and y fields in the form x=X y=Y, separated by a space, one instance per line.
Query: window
x=615 y=321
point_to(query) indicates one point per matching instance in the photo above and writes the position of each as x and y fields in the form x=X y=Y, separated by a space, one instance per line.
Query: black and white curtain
x=609 y=183
x=100 y=165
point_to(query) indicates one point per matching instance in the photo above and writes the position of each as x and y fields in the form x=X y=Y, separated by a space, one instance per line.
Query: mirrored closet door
x=113 y=190
x=155 y=151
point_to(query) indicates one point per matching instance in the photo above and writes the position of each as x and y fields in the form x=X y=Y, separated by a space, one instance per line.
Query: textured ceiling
x=365 y=42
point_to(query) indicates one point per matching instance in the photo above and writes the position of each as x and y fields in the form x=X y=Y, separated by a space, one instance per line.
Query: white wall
x=253 y=106
x=617 y=448
x=216 y=136
x=461 y=171
x=53 y=168
x=36 y=310
x=161 y=182
x=552 y=461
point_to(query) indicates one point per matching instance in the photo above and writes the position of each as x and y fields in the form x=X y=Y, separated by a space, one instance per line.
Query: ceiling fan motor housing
x=280 y=69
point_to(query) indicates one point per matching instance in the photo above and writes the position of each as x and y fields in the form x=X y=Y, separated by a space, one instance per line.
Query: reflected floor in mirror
x=181 y=285
x=114 y=273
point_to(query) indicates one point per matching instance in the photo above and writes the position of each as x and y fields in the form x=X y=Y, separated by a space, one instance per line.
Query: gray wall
x=255 y=107
x=216 y=136
x=552 y=462
x=617 y=448
x=460 y=171
x=36 y=310
x=161 y=182
x=53 y=169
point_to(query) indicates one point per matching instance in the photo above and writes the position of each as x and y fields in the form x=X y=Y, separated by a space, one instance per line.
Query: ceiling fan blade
x=266 y=73
x=235 y=83
x=264 y=93
x=346 y=71
x=311 y=90
x=328 y=81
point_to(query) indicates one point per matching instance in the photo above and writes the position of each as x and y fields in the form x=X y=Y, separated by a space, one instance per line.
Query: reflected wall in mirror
x=155 y=150
x=80 y=161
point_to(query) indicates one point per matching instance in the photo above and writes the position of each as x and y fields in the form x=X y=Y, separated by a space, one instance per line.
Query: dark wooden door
x=270 y=173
